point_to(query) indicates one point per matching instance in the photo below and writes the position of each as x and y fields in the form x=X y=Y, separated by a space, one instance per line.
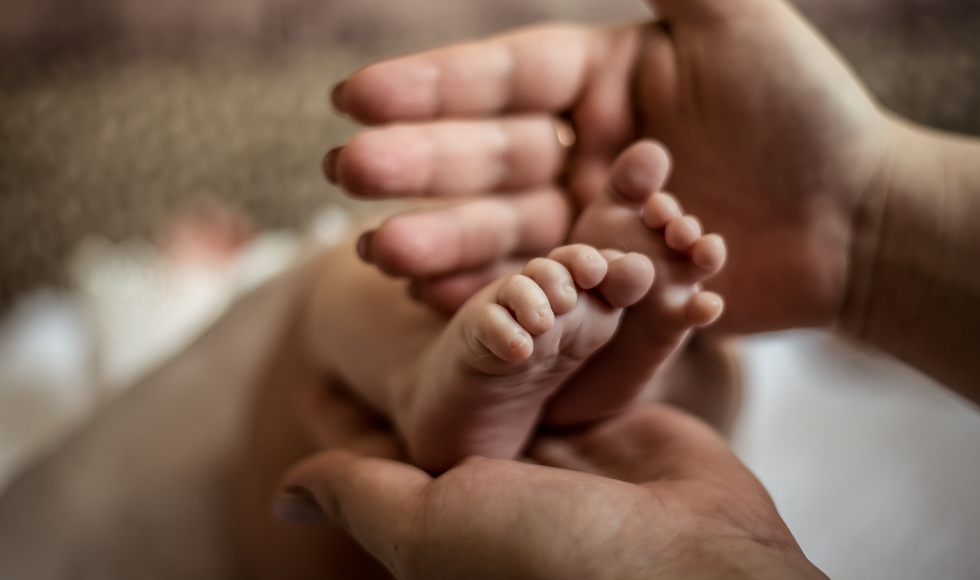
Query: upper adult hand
x=774 y=144
x=654 y=493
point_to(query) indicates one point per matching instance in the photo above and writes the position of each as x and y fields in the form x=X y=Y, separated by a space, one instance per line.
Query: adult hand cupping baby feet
x=653 y=493
x=481 y=386
x=774 y=141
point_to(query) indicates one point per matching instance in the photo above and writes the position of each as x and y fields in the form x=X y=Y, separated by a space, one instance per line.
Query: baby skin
x=479 y=389
x=527 y=344
x=634 y=215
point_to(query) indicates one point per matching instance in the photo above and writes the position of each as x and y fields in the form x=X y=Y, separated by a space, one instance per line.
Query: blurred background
x=160 y=159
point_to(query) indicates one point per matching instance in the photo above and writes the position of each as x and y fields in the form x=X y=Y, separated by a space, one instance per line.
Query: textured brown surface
x=115 y=112
x=91 y=146
x=229 y=102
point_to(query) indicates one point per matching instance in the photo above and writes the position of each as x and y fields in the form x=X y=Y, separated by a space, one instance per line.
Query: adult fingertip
x=297 y=505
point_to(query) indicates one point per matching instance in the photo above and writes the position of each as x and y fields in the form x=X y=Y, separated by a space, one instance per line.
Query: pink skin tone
x=513 y=354
x=479 y=389
x=651 y=493
x=854 y=219
x=632 y=214
x=514 y=348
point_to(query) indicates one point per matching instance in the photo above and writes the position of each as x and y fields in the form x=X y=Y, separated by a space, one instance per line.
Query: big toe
x=640 y=171
x=709 y=253
x=628 y=279
x=704 y=308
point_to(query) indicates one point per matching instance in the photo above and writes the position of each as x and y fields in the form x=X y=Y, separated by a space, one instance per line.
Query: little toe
x=583 y=262
x=709 y=253
x=528 y=302
x=680 y=233
x=704 y=308
x=640 y=171
x=628 y=279
x=495 y=328
x=556 y=282
x=659 y=210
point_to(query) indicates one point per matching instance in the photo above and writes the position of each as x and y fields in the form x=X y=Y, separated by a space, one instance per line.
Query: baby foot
x=480 y=389
x=633 y=215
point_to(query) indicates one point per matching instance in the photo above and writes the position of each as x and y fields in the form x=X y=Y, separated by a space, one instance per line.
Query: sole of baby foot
x=633 y=214
x=481 y=388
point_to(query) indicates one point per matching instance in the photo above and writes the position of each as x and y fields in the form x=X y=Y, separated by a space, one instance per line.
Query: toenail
x=592 y=257
x=568 y=288
x=542 y=312
x=518 y=341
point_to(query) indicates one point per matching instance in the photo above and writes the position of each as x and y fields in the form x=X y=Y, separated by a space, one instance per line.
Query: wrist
x=877 y=201
x=723 y=558
x=912 y=284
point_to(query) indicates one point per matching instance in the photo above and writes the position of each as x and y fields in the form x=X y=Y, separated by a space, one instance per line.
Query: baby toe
x=528 y=302
x=709 y=253
x=495 y=328
x=556 y=282
x=628 y=279
x=640 y=171
x=704 y=308
x=681 y=232
x=583 y=262
x=659 y=210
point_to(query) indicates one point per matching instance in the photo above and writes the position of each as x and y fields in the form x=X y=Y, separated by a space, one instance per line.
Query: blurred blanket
x=136 y=493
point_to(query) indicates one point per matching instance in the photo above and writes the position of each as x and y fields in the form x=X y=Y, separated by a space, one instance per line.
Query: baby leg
x=481 y=387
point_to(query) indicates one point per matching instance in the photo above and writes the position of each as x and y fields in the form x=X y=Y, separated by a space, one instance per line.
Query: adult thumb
x=375 y=500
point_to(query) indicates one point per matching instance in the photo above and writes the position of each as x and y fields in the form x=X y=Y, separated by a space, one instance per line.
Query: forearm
x=915 y=272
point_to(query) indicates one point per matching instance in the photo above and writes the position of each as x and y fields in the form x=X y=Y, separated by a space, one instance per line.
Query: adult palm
x=774 y=142
x=653 y=493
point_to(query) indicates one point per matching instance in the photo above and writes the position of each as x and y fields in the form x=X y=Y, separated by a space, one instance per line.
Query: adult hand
x=654 y=493
x=774 y=143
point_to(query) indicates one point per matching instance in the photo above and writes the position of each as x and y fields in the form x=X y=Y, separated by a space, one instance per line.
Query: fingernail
x=330 y=164
x=297 y=505
x=364 y=246
x=337 y=97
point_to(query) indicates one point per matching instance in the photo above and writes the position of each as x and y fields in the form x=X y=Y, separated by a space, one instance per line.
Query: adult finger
x=449 y=158
x=536 y=69
x=658 y=446
x=469 y=235
x=447 y=293
x=375 y=500
x=650 y=443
